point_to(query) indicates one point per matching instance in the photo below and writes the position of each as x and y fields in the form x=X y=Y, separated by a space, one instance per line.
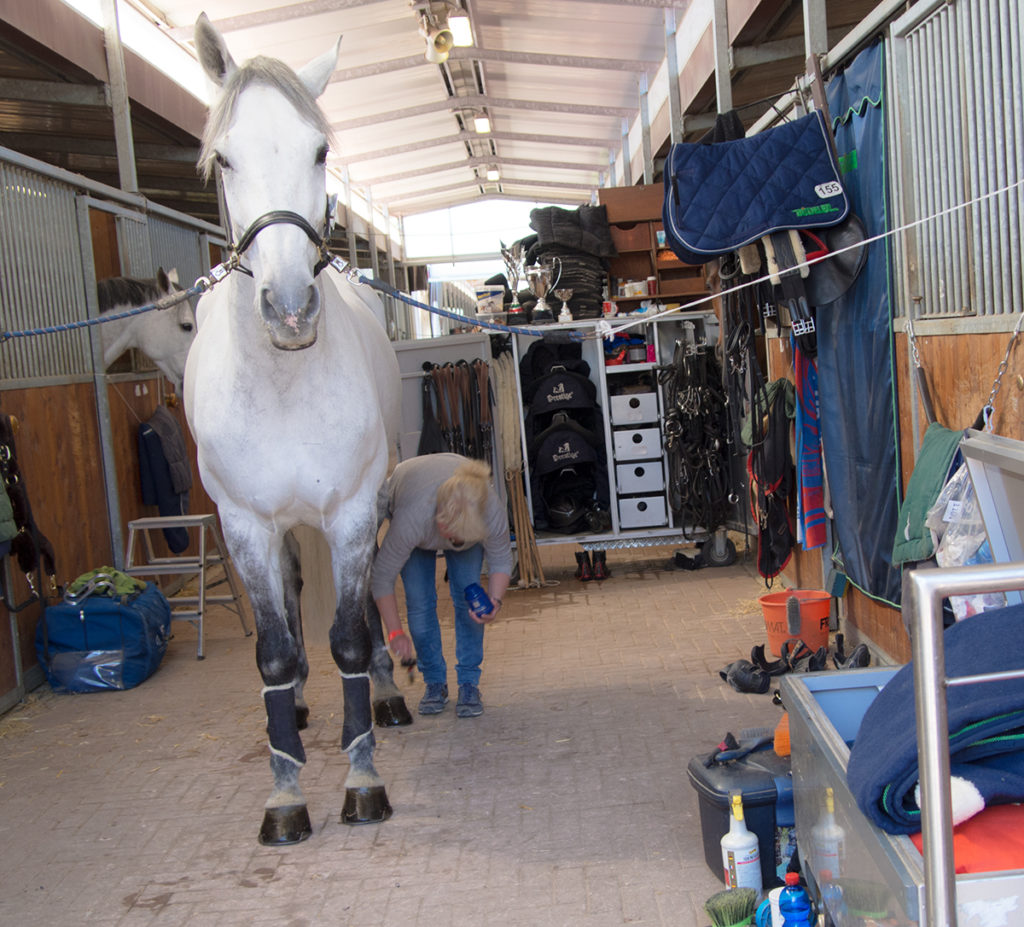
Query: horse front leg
x=366 y=799
x=292 y=577
x=389 y=708
x=264 y=567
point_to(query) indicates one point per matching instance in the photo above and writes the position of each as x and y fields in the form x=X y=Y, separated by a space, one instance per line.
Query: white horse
x=292 y=392
x=163 y=335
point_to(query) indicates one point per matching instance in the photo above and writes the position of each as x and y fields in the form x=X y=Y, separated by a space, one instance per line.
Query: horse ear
x=213 y=52
x=163 y=279
x=317 y=73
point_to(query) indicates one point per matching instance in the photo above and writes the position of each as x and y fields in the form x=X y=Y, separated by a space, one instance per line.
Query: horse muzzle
x=291 y=324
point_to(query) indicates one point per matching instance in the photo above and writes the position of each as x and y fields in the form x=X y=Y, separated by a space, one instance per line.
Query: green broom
x=865 y=899
x=733 y=907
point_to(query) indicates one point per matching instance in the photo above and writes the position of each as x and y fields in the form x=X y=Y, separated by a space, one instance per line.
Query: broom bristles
x=732 y=907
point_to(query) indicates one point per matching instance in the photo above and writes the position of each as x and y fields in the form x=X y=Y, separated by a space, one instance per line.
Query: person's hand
x=401 y=645
x=486 y=619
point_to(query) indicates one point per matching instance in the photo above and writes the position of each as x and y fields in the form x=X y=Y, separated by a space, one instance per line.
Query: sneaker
x=469 y=704
x=434 y=699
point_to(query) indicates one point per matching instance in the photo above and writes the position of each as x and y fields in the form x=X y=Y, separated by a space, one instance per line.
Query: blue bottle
x=795 y=903
x=478 y=600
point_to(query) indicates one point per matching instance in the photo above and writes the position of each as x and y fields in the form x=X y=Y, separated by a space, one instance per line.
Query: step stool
x=186 y=607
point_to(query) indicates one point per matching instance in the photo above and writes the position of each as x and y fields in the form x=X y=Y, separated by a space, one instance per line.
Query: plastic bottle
x=795 y=903
x=478 y=600
x=828 y=838
x=741 y=855
x=832 y=897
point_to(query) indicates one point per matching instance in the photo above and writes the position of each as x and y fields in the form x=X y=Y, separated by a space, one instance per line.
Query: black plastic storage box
x=764 y=780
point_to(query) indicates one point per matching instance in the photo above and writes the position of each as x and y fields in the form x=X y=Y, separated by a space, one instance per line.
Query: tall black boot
x=601 y=570
x=583 y=568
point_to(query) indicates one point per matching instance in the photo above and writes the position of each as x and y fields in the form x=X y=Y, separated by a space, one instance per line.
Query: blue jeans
x=420 y=581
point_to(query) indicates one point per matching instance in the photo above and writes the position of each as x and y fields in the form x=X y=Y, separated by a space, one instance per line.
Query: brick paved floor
x=566 y=804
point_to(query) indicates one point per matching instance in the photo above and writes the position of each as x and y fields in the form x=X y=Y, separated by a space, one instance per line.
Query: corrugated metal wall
x=175 y=247
x=41 y=276
x=959 y=124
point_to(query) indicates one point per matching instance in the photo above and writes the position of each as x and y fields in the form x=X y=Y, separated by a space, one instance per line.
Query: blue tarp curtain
x=856 y=371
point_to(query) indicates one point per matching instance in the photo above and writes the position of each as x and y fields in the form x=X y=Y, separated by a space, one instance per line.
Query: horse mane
x=258 y=70
x=126 y=291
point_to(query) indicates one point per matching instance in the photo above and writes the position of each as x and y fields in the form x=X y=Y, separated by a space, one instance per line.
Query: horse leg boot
x=389 y=708
x=366 y=799
x=285 y=817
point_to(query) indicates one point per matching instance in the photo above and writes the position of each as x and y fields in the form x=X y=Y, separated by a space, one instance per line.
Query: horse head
x=164 y=336
x=269 y=140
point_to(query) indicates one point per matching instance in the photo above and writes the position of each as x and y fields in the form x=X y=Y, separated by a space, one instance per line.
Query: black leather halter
x=286 y=217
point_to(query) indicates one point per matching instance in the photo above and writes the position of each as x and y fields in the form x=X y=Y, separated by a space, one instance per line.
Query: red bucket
x=814 y=611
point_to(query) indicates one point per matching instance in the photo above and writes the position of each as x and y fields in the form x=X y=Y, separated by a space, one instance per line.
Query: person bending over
x=441 y=502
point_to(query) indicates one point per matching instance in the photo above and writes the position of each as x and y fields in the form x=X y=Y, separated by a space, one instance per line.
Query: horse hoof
x=285 y=825
x=391 y=712
x=365 y=805
x=302 y=718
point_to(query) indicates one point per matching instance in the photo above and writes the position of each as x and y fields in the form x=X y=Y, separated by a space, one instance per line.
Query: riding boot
x=583 y=569
x=601 y=570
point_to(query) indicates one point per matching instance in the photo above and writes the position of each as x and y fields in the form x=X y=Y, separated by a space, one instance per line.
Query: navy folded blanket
x=986 y=729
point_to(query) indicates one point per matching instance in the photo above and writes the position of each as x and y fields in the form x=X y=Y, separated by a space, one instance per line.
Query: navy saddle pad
x=722 y=196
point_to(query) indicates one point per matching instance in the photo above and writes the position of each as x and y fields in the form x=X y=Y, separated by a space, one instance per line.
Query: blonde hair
x=461 y=499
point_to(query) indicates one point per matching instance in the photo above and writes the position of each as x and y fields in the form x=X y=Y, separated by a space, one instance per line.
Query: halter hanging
x=286 y=217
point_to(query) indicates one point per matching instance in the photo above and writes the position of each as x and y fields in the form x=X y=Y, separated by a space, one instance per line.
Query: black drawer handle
x=641 y=506
x=638 y=472
x=634 y=403
x=638 y=438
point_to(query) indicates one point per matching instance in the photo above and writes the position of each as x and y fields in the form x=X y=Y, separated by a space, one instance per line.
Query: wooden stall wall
x=58 y=449
x=960 y=370
x=57 y=444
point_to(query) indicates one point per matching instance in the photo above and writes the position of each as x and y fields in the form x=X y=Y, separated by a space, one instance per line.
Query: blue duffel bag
x=110 y=632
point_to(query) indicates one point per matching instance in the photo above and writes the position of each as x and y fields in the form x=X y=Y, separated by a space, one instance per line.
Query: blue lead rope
x=218 y=273
x=165 y=303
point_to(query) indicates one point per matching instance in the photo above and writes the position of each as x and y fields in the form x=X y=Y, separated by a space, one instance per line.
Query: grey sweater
x=409 y=500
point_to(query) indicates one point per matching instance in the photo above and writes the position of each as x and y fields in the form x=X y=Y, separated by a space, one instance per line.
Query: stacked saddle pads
x=722 y=196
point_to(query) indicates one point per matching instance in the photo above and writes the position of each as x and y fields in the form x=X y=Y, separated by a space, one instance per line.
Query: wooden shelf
x=634 y=218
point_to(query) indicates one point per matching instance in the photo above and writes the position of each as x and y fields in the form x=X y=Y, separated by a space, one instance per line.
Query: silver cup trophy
x=513 y=257
x=564 y=294
x=539 y=279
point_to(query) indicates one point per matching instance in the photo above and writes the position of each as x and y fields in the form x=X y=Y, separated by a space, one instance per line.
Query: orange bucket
x=814 y=609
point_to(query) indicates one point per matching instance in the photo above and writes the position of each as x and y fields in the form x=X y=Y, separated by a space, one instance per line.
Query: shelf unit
x=634 y=219
x=632 y=410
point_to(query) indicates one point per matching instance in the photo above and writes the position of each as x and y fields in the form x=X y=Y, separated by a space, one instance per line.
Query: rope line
x=165 y=302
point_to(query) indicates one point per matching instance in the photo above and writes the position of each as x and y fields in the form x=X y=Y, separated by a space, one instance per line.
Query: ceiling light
x=493 y=173
x=482 y=124
x=462 y=31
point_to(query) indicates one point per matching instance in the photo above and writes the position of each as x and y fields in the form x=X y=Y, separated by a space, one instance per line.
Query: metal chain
x=915 y=354
x=990 y=405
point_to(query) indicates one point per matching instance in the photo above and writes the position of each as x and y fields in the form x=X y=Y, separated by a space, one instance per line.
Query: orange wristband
x=395 y=634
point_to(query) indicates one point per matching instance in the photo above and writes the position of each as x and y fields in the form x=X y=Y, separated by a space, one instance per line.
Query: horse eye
x=186 y=326
x=225 y=165
x=321 y=155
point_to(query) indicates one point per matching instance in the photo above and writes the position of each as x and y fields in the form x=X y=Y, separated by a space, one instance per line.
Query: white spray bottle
x=828 y=838
x=741 y=856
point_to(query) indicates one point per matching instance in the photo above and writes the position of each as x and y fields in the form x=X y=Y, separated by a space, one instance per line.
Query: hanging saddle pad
x=725 y=195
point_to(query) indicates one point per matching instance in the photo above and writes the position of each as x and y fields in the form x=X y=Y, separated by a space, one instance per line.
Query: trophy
x=564 y=294
x=513 y=256
x=538 y=277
